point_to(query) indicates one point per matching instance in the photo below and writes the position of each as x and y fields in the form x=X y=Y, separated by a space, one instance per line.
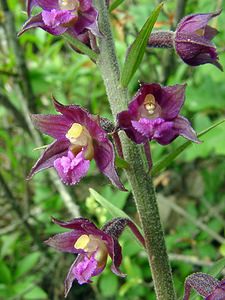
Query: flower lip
x=57 y=19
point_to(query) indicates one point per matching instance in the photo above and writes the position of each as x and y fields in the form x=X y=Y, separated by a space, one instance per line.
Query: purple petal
x=76 y=114
x=55 y=18
x=137 y=233
x=82 y=269
x=116 y=256
x=48 y=4
x=65 y=241
x=84 y=225
x=87 y=20
x=194 y=22
x=184 y=128
x=104 y=156
x=158 y=129
x=53 y=125
x=37 y=21
x=69 y=278
x=55 y=150
x=210 y=32
x=195 y=50
x=77 y=223
x=33 y=22
x=85 y=5
x=171 y=100
x=71 y=168
x=203 y=284
x=125 y=122
x=205 y=58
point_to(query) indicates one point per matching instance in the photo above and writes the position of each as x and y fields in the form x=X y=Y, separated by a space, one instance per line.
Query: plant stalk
x=141 y=182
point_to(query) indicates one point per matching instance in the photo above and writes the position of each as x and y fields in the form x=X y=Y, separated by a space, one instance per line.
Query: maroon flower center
x=150 y=109
x=80 y=138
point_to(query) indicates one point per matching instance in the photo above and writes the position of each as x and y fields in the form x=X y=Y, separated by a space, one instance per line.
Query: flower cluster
x=206 y=286
x=93 y=246
x=153 y=114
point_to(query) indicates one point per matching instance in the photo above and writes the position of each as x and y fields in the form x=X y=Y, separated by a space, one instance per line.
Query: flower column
x=141 y=182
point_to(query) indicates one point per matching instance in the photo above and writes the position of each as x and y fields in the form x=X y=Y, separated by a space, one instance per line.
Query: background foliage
x=190 y=192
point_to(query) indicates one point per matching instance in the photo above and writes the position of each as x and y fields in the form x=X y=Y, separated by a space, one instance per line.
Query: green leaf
x=168 y=159
x=112 y=209
x=27 y=263
x=222 y=249
x=5 y=274
x=108 y=285
x=5 y=292
x=216 y=268
x=115 y=4
x=121 y=163
x=137 y=49
x=36 y=293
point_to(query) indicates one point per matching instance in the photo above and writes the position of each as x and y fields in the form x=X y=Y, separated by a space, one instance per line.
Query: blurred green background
x=191 y=192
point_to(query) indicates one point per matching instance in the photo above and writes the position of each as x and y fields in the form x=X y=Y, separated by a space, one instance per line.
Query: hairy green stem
x=140 y=181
